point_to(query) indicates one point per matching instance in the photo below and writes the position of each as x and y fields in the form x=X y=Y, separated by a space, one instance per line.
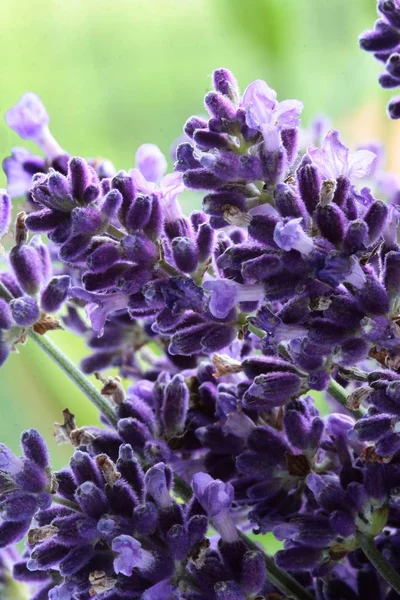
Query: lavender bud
x=91 y=499
x=175 y=406
x=272 y=389
x=375 y=218
x=309 y=182
x=25 y=311
x=186 y=159
x=6 y=319
x=393 y=108
x=225 y=83
x=185 y=254
x=139 y=213
x=34 y=448
x=253 y=572
x=103 y=257
x=112 y=203
x=262 y=228
x=288 y=203
x=192 y=124
x=356 y=236
x=290 y=141
x=382 y=37
x=45 y=220
x=331 y=222
x=228 y=590
x=201 y=179
x=55 y=293
x=219 y=106
x=373 y=297
x=80 y=177
x=26 y=263
x=391 y=273
x=138 y=248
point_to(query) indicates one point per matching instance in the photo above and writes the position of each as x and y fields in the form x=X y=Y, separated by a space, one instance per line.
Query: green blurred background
x=114 y=75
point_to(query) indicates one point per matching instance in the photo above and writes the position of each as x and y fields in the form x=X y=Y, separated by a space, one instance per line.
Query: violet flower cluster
x=225 y=324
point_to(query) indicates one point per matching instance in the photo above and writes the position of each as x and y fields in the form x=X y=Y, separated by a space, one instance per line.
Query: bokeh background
x=114 y=75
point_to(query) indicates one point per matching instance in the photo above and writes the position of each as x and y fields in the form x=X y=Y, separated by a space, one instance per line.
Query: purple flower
x=5 y=212
x=151 y=162
x=99 y=306
x=263 y=111
x=334 y=160
x=216 y=498
x=130 y=555
x=226 y=293
x=289 y=235
x=29 y=119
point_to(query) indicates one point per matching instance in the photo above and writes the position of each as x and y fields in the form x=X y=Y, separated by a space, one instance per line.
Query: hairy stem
x=339 y=393
x=385 y=569
x=75 y=375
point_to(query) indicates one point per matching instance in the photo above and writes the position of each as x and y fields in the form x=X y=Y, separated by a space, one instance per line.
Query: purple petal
x=28 y=117
x=5 y=212
x=361 y=163
x=287 y=113
x=259 y=100
x=151 y=162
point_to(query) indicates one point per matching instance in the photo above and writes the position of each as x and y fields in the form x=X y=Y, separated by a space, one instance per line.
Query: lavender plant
x=223 y=325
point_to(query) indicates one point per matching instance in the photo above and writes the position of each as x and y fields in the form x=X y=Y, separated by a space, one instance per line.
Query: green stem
x=385 y=569
x=75 y=375
x=339 y=393
x=281 y=580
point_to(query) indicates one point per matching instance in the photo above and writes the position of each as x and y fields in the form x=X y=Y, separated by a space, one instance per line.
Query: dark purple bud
x=208 y=140
x=132 y=280
x=74 y=247
x=272 y=389
x=388 y=82
x=273 y=164
x=261 y=365
x=253 y=572
x=391 y=273
x=84 y=468
x=45 y=220
x=154 y=226
x=186 y=159
x=225 y=83
x=302 y=433
x=6 y=319
x=391 y=11
x=76 y=558
x=80 y=176
x=331 y=222
x=145 y=518
x=12 y=532
x=91 y=499
x=290 y=141
x=91 y=194
x=374 y=481
x=351 y=352
x=5 y=212
x=205 y=241
x=112 y=203
x=197 y=529
x=393 y=108
x=130 y=469
x=55 y=293
x=369 y=429
x=86 y=220
x=192 y=124
x=224 y=165
x=175 y=406
x=59 y=186
x=25 y=311
x=103 y=257
x=185 y=254
x=373 y=297
x=260 y=268
x=375 y=218
x=341 y=191
x=309 y=182
x=203 y=338
x=356 y=236
x=298 y=559
x=215 y=204
x=382 y=37
x=219 y=106
x=158 y=481
x=318 y=380
x=16 y=507
x=139 y=249
x=393 y=66
x=288 y=203
x=262 y=229
x=228 y=590
x=134 y=432
x=34 y=448
x=124 y=184
x=201 y=179
x=139 y=213
x=27 y=265
x=46 y=555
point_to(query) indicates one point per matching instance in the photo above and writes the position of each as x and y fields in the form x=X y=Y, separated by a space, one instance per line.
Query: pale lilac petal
x=151 y=162
x=129 y=554
x=318 y=158
x=141 y=184
x=172 y=184
x=163 y=590
x=272 y=137
x=223 y=296
x=27 y=117
x=259 y=100
x=336 y=154
x=361 y=163
x=287 y=113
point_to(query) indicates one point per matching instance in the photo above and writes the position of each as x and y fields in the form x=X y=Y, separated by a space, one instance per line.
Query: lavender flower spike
x=29 y=119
